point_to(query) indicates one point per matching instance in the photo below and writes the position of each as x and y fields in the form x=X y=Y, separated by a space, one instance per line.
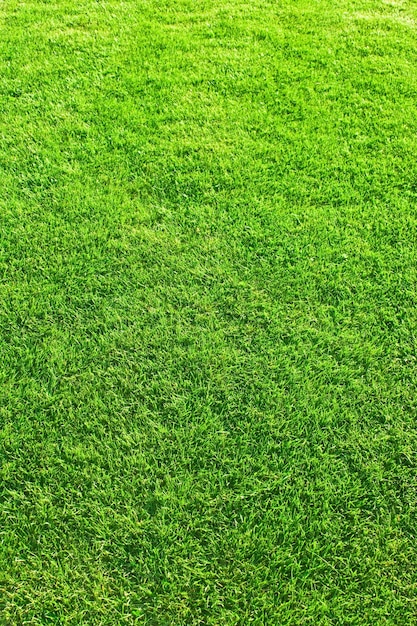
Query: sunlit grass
x=208 y=312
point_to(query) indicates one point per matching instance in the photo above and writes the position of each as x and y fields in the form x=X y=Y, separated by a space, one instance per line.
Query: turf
x=208 y=272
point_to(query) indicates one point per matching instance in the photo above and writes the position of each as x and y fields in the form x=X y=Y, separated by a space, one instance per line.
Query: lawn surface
x=208 y=270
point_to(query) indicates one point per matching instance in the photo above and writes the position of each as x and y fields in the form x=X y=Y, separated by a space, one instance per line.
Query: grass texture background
x=208 y=312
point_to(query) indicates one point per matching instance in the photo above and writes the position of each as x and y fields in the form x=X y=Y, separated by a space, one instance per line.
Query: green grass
x=208 y=324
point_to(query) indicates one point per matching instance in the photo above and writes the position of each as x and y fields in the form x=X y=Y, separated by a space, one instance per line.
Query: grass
x=208 y=272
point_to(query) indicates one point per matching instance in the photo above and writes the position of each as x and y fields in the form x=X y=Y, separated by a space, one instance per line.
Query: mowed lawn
x=208 y=324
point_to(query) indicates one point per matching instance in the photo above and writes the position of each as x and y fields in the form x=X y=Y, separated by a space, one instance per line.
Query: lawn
x=208 y=322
